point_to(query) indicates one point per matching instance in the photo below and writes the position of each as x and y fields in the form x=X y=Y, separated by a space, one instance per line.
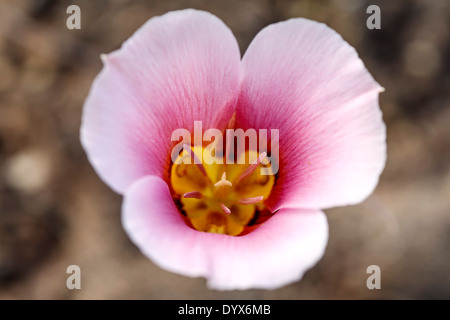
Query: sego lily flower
x=229 y=223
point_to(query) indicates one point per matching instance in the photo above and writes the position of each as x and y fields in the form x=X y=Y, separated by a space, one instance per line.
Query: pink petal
x=302 y=78
x=177 y=68
x=275 y=254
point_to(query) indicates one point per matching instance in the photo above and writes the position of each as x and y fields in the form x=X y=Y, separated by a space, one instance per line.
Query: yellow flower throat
x=221 y=198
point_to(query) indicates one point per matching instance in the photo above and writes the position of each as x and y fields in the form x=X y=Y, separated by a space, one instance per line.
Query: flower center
x=221 y=198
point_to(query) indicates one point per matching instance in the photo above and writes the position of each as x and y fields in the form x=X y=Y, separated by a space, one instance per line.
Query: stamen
x=193 y=194
x=252 y=167
x=225 y=209
x=250 y=200
x=196 y=159
x=223 y=181
x=220 y=204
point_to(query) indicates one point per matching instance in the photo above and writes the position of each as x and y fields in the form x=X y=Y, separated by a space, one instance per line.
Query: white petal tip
x=104 y=57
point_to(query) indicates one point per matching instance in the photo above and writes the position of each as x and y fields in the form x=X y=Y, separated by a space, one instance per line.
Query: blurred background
x=55 y=211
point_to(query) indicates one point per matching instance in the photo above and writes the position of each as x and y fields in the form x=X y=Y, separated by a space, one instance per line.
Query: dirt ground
x=55 y=211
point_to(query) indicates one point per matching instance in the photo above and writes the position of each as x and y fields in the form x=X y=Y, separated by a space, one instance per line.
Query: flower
x=298 y=76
